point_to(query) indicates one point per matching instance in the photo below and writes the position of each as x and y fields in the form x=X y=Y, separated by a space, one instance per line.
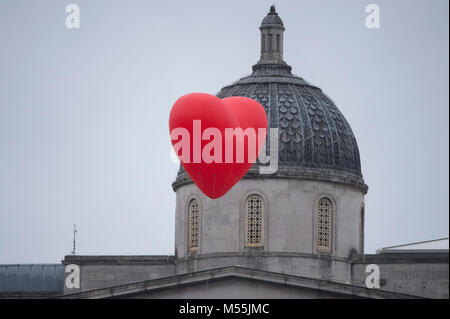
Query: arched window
x=254 y=221
x=193 y=225
x=324 y=225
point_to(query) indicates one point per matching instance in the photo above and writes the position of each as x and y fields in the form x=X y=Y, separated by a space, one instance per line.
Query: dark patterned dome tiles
x=315 y=140
x=312 y=131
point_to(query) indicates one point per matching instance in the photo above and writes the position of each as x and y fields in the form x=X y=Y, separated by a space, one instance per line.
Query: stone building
x=295 y=233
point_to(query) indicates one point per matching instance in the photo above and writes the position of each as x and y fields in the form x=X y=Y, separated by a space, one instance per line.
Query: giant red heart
x=217 y=140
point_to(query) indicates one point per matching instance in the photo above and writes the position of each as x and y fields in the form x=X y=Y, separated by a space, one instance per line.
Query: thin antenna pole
x=74 y=238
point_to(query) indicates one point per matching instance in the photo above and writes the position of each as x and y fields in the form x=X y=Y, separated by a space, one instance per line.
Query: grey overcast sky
x=84 y=113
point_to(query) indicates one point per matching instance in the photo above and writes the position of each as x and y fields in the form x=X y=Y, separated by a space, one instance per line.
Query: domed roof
x=315 y=141
x=272 y=19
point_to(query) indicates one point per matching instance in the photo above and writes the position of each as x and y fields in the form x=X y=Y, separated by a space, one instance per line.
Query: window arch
x=193 y=225
x=324 y=225
x=254 y=221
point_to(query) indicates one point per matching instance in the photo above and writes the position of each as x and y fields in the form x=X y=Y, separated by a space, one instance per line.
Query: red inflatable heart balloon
x=217 y=140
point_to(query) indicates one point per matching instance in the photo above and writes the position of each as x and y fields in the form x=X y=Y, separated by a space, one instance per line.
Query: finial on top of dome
x=272 y=38
x=272 y=9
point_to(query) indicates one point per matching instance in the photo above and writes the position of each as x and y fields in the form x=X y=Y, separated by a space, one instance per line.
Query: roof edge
x=214 y=274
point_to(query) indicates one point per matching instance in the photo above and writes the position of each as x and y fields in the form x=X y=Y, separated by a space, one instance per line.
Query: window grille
x=193 y=225
x=324 y=225
x=254 y=221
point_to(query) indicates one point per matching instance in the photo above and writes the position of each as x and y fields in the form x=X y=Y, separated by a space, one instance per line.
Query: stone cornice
x=221 y=273
x=293 y=172
x=119 y=260
x=399 y=258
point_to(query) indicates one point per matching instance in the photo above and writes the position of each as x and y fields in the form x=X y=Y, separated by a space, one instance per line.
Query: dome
x=272 y=19
x=315 y=140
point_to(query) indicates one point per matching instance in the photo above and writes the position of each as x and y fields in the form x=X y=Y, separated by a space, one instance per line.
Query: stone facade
x=290 y=217
x=413 y=275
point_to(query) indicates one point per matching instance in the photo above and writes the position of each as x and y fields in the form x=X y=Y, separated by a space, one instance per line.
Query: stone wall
x=289 y=222
x=106 y=271
x=418 y=274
